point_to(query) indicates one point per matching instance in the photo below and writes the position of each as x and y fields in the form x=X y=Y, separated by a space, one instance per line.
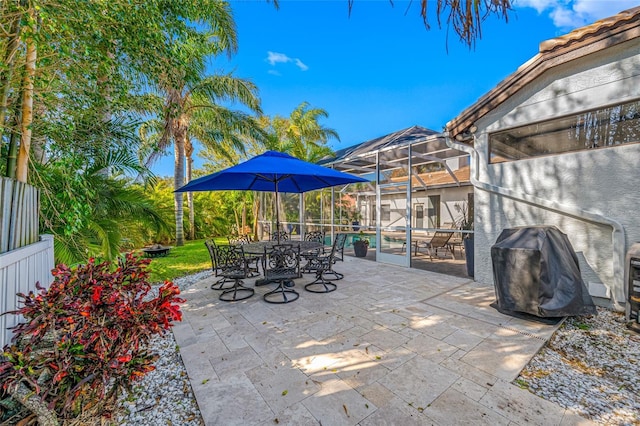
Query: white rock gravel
x=590 y=365
x=164 y=396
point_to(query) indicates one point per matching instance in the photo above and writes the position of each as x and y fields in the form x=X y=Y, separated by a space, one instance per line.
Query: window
x=433 y=211
x=385 y=212
x=599 y=128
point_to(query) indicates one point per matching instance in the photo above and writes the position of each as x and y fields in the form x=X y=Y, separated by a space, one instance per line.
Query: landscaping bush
x=85 y=338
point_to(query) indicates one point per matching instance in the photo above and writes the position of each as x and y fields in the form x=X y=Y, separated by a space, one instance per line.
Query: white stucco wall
x=604 y=181
x=449 y=196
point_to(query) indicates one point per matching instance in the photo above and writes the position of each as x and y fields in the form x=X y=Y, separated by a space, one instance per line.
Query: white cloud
x=301 y=65
x=275 y=58
x=274 y=72
x=539 y=5
x=570 y=14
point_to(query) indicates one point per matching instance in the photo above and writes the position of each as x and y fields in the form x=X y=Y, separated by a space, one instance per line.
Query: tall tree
x=67 y=54
x=200 y=100
x=301 y=135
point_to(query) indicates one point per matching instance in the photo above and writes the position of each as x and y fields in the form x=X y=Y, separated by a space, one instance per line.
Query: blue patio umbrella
x=275 y=172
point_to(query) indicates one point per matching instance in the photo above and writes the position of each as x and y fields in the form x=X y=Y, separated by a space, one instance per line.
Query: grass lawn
x=191 y=258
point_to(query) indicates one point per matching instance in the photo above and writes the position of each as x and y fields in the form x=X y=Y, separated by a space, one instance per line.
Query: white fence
x=20 y=204
x=20 y=269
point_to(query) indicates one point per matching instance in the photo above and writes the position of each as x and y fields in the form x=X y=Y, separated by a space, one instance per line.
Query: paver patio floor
x=391 y=346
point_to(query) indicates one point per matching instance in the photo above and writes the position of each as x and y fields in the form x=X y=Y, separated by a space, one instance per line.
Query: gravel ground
x=164 y=396
x=590 y=365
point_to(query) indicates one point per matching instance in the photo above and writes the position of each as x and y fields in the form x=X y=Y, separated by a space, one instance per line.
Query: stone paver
x=390 y=346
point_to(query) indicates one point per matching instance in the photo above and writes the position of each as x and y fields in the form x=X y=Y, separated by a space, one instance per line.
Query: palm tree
x=464 y=16
x=300 y=135
x=90 y=212
x=193 y=110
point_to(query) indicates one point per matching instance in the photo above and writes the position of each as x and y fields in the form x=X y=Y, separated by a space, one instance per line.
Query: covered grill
x=536 y=271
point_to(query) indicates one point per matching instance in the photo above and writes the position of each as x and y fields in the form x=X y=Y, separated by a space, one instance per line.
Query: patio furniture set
x=281 y=262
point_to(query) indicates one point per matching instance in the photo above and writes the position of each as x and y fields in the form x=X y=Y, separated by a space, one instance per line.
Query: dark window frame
x=604 y=127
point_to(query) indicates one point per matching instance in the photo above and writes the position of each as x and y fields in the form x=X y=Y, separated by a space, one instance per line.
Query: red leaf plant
x=85 y=338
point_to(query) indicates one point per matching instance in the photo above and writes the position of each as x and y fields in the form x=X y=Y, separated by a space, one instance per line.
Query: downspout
x=617 y=236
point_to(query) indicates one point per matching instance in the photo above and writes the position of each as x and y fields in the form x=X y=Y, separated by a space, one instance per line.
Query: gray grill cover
x=536 y=271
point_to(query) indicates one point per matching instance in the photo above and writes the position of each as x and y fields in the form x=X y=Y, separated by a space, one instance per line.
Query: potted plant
x=355 y=220
x=465 y=223
x=360 y=245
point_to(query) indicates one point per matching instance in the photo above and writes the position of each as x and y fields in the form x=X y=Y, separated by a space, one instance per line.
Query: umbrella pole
x=277 y=215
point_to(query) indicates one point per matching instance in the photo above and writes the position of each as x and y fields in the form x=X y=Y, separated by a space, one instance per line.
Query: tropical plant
x=465 y=220
x=90 y=212
x=85 y=338
x=301 y=134
x=362 y=239
x=464 y=16
x=66 y=55
x=195 y=113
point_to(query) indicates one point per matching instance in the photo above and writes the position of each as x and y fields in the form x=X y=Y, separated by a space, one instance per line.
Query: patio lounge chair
x=439 y=241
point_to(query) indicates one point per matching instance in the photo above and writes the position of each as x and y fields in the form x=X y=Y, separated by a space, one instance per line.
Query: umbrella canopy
x=274 y=172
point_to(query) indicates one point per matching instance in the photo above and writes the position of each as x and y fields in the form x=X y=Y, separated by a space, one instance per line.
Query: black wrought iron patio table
x=258 y=248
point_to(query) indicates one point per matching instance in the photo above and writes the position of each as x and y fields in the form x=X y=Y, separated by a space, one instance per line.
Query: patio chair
x=238 y=239
x=322 y=265
x=318 y=237
x=284 y=236
x=342 y=239
x=234 y=267
x=281 y=265
x=439 y=241
x=215 y=266
x=252 y=261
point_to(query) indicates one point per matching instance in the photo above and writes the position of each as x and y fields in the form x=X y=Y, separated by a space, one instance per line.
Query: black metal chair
x=238 y=239
x=342 y=239
x=215 y=266
x=252 y=261
x=281 y=265
x=279 y=236
x=233 y=266
x=315 y=236
x=322 y=265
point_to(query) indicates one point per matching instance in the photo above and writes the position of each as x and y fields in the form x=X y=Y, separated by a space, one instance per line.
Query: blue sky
x=379 y=70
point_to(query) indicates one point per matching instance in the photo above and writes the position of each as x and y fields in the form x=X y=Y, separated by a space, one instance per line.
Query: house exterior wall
x=603 y=181
x=449 y=197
